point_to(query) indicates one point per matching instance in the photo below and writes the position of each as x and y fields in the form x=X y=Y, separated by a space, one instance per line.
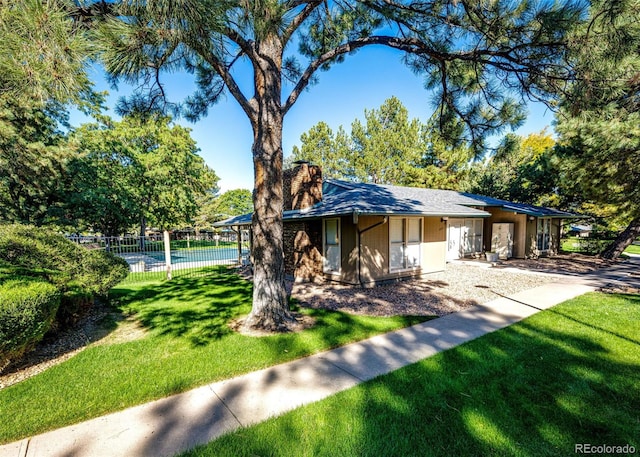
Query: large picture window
x=544 y=234
x=331 y=242
x=405 y=239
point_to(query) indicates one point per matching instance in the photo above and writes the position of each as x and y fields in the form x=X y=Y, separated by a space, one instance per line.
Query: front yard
x=163 y=338
x=566 y=376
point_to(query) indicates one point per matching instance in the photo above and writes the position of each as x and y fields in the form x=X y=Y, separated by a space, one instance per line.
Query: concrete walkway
x=180 y=422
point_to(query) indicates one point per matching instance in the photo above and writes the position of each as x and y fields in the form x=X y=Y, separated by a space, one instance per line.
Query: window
x=544 y=234
x=472 y=236
x=331 y=235
x=405 y=238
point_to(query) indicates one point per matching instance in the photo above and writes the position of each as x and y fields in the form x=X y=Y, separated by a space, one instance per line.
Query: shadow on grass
x=199 y=309
x=536 y=388
x=196 y=308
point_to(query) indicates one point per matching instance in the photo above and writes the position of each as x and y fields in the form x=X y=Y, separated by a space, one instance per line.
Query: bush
x=101 y=270
x=27 y=310
x=78 y=273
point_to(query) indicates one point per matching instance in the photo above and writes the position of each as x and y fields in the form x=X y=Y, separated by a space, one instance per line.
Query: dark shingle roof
x=522 y=208
x=343 y=198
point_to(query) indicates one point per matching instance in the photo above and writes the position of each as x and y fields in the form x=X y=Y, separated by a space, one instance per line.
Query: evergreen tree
x=389 y=148
x=43 y=53
x=322 y=147
x=32 y=160
x=599 y=124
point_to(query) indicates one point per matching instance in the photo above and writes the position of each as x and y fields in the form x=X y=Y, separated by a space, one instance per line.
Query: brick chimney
x=302 y=186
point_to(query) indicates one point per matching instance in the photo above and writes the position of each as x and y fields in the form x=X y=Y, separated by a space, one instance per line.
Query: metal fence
x=164 y=256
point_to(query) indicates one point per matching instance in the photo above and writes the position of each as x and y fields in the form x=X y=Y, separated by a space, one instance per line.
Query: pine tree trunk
x=623 y=240
x=270 y=309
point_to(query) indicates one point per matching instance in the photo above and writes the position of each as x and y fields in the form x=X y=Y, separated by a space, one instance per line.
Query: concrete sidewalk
x=180 y=422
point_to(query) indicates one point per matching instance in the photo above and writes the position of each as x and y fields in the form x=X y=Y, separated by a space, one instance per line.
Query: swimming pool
x=199 y=255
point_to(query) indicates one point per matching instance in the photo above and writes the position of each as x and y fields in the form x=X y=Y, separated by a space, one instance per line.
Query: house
x=360 y=233
x=515 y=229
x=580 y=230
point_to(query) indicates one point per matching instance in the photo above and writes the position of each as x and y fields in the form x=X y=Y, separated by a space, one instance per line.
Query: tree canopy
x=599 y=123
x=521 y=169
x=143 y=171
x=44 y=55
x=388 y=148
x=32 y=160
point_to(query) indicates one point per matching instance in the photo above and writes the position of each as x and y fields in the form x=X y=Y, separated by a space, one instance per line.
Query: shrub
x=101 y=270
x=27 y=310
x=78 y=273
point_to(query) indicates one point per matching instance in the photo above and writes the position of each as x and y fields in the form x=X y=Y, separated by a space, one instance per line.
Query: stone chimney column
x=302 y=186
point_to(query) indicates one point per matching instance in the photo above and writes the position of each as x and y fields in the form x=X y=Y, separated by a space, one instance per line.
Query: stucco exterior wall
x=303 y=250
x=374 y=255
x=374 y=243
x=434 y=245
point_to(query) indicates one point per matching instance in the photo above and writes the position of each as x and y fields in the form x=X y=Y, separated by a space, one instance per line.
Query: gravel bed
x=459 y=287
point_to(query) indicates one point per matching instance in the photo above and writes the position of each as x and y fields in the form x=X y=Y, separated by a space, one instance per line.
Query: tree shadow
x=98 y=323
x=197 y=309
x=535 y=388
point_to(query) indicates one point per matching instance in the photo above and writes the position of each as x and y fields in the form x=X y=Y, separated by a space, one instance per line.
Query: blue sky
x=363 y=81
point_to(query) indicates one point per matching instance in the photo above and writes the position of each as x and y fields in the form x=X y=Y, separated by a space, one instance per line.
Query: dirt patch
x=302 y=322
x=101 y=325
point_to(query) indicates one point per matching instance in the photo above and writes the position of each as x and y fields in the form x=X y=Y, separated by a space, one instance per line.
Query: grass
x=565 y=376
x=633 y=249
x=592 y=246
x=589 y=246
x=188 y=344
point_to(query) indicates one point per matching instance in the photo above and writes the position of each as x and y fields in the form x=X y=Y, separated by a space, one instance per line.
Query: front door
x=454 y=232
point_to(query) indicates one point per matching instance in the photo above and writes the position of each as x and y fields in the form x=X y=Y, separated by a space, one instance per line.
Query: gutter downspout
x=359 y=232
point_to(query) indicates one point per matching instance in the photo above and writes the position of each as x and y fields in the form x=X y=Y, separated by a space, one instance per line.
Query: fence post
x=167 y=252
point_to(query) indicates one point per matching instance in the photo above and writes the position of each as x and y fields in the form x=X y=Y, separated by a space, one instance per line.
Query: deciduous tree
x=522 y=169
x=142 y=170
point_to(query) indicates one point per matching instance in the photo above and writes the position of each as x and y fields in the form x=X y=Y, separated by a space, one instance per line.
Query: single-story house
x=360 y=233
x=580 y=230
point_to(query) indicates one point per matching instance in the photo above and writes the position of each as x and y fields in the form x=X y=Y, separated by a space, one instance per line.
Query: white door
x=454 y=235
x=502 y=239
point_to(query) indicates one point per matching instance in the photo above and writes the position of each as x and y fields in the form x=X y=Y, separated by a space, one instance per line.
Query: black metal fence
x=150 y=257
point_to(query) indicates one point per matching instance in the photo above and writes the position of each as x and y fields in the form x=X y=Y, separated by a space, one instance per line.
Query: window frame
x=327 y=266
x=406 y=244
x=543 y=234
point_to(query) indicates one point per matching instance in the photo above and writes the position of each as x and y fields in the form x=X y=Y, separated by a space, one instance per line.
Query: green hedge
x=79 y=274
x=27 y=309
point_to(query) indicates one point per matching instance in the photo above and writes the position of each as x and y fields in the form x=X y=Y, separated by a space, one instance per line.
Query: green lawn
x=563 y=377
x=188 y=344
x=633 y=249
x=591 y=246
